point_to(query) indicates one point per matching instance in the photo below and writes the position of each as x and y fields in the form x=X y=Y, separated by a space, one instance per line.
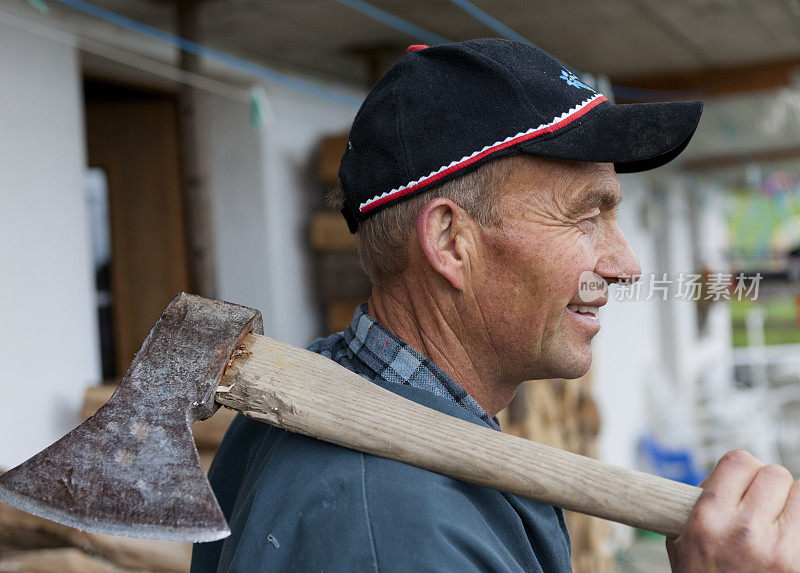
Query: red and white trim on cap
x=564 y=119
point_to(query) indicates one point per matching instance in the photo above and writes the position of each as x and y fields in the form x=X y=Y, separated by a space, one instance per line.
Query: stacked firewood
x=563 y=414
x=341 y=285
x=34 y=545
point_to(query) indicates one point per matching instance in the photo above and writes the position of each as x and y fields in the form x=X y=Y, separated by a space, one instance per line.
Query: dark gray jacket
x=298 y=504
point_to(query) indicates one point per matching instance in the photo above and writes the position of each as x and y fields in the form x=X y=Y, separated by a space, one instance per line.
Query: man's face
x=559 y=220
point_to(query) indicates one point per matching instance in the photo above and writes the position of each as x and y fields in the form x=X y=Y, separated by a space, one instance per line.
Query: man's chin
x=574 y=365
x=576 y=373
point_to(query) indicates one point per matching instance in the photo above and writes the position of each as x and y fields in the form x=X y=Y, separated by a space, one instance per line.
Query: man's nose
x=619 y=263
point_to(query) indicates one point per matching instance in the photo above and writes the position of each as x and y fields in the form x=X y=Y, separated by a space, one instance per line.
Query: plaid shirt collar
x=393 y=360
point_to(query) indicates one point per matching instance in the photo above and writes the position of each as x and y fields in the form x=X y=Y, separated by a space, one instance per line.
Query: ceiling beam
x=379 y=58
x=735 y=159
x=716 y=81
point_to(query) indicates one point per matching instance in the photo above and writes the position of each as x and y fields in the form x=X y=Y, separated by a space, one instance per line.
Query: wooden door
x=133 y=136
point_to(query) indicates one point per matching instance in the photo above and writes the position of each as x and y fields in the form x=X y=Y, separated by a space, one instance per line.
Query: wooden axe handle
x=305 y=392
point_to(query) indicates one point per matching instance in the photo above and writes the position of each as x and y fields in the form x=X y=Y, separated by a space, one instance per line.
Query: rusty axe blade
x=132 y=469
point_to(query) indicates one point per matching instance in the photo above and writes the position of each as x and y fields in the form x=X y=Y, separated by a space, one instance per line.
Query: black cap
x=443 y=111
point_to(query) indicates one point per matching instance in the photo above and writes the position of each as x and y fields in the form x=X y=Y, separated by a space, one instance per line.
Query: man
x=480 y=178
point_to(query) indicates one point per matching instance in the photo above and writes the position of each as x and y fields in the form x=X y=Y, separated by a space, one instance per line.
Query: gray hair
x=382 y=239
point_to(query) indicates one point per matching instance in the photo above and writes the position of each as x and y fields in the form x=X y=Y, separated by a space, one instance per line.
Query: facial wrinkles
x=544 y=226
x=589 y=208
x=535 y=210
x=497 y=261
x=596 y=193
x=517 y=265
x=559 y=194
x=564 y=234
x=531 y=262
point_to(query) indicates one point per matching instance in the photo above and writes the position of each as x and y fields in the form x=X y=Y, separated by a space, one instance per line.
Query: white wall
x=626 y=350
x=260 y=186
x=261 y=181
x=299 y=123
x=236 y=180
x=650 y=359
x=48 y=338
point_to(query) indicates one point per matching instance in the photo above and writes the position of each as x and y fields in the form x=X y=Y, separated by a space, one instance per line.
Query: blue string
x=489 y=21
x=394 y=22
x=221 y=57
x=40 y=6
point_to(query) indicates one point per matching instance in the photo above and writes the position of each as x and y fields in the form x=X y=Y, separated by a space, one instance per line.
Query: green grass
x=771 y=336
x=780 y=326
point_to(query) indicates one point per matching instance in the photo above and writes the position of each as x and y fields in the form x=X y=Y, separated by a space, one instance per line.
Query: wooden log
x=22 y=531
x=339 y=313
x=206 y=457
x=63 y=560
x=94 y=397
x=340 y=276
x=329 y=155
x=563 y=414
x=328 y=231
x=209 y=433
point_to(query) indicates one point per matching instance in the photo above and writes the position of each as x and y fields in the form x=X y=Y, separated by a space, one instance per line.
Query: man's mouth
x=580 y=309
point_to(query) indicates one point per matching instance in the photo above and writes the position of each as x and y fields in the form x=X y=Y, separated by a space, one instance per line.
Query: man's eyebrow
x=595 y=198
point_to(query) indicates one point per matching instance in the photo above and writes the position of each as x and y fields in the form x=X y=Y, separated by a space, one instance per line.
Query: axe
x=132 y=469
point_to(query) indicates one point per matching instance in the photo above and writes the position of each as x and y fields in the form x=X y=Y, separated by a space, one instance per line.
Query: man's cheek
x=573 y=264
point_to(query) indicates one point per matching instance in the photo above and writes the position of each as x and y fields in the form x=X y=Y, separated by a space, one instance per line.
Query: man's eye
x=588 y=223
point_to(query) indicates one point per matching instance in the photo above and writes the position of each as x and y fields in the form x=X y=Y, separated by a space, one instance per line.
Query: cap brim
x=634 y=137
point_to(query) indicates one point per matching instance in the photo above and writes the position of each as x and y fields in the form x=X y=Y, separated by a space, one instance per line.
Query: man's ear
x=444 y=238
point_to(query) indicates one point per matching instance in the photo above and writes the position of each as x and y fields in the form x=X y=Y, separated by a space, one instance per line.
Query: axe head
x=132 y=469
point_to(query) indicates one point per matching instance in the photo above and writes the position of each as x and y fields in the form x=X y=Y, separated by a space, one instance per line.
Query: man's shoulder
x=313 y=498
x=259 y=451
x=310 y=499
x=315 y=471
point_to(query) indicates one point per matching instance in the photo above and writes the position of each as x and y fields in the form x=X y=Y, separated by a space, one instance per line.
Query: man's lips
x=583 y=309
x=587 y=308
x=586 y=314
